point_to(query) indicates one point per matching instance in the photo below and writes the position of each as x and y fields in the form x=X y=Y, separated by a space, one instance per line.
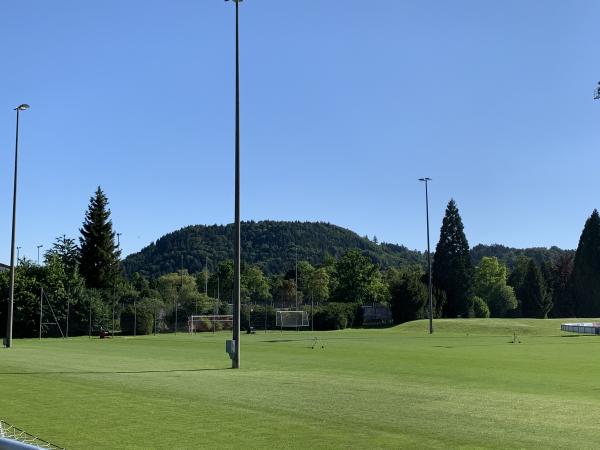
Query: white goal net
x=13 y=437
x=210 y=322
x=291 y=319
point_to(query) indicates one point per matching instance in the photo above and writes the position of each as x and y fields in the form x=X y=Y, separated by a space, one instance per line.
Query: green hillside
x=488 y=327
x=510 y=255
x=270 y=244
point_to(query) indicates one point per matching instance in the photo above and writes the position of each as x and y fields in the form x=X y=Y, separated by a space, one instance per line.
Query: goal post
x=210 y=322
x=291 y=319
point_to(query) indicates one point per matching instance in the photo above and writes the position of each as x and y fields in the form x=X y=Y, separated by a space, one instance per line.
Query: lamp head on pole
x=426 y=179
x=235 y=1
x=22 y=107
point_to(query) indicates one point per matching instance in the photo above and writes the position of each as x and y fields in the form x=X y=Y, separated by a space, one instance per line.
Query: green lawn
x=466 y=386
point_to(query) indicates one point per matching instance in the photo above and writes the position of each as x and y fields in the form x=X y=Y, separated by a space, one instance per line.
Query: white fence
x=581 y=328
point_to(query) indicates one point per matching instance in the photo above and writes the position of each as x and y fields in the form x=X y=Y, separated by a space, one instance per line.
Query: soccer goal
x=211 y=322
x=291 y=319
x=13 y=437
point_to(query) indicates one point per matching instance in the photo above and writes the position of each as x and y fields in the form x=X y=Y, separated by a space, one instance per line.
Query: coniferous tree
x=535 y=298
x=452 y=269
x=562 y=297
x=585 y=279
x=66 y=250
x=99 y=256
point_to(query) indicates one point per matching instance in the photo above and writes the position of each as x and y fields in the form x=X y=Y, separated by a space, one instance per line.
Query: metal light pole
x=206 y=277
x=180 y=294
x=11 y=300
x=114 y=300
x=426 y=180
x=296 y=282
x=38 y=248
x=296 y=277
x=235 y=362
x=90 y=320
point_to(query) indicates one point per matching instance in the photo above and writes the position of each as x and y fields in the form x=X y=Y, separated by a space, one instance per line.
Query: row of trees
x=86 y=283
x=565 y=286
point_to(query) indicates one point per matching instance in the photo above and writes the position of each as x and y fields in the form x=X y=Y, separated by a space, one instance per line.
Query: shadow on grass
x=107 y=372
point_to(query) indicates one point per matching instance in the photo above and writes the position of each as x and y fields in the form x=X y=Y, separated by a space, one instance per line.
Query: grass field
x=466 y=386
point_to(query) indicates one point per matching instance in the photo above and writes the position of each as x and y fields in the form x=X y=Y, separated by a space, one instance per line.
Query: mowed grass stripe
x=367 y=388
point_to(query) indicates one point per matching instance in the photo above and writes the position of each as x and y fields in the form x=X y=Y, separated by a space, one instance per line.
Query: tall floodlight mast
x=38 y=253
x=11 y=299
x=430 y=290
x=235 y=361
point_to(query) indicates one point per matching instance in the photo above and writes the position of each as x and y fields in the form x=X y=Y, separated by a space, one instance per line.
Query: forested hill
x=509 y=255
x=270 y=244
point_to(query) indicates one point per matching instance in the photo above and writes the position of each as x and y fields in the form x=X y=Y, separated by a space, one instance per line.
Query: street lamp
x=9 y=325
x=38 y=248
x=235 y=361
x=426 y=180
x=115 y=286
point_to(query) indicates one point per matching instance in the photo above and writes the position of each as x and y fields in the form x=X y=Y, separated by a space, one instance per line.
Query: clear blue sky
x=344 y=106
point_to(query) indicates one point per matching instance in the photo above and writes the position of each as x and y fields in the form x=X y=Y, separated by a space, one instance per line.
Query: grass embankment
x=465 y=386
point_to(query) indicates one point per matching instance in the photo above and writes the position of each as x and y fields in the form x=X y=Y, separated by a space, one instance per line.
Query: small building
x=4 y=267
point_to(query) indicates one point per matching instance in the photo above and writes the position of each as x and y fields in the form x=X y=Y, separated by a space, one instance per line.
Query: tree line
x=564 y=286
x=87 y=282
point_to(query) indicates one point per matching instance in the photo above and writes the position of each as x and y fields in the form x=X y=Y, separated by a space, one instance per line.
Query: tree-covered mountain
x=510 y=256
x=272 y=245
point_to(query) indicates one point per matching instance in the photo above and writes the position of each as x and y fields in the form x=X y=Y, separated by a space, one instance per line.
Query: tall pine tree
x=535 y=299
x=585 y=279
x=452 y=269
x=562 y=268
x=99 y=256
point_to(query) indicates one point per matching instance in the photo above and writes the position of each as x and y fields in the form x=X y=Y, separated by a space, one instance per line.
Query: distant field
x=466 y=386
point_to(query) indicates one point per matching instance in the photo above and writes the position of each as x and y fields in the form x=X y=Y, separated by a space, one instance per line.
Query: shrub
x=144 y=320
x=501 y=300
x=257 y=319
x=480 y=308
x=336 y=316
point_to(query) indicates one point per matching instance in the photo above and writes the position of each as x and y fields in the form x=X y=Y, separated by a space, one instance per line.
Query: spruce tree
x=99 y=256
x=452 y=269
x=535 y=298
x=66 y=250
x=561 y=292
x=585 y=279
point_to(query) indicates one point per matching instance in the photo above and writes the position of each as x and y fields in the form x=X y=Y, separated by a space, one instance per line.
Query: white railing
x=581 y=328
